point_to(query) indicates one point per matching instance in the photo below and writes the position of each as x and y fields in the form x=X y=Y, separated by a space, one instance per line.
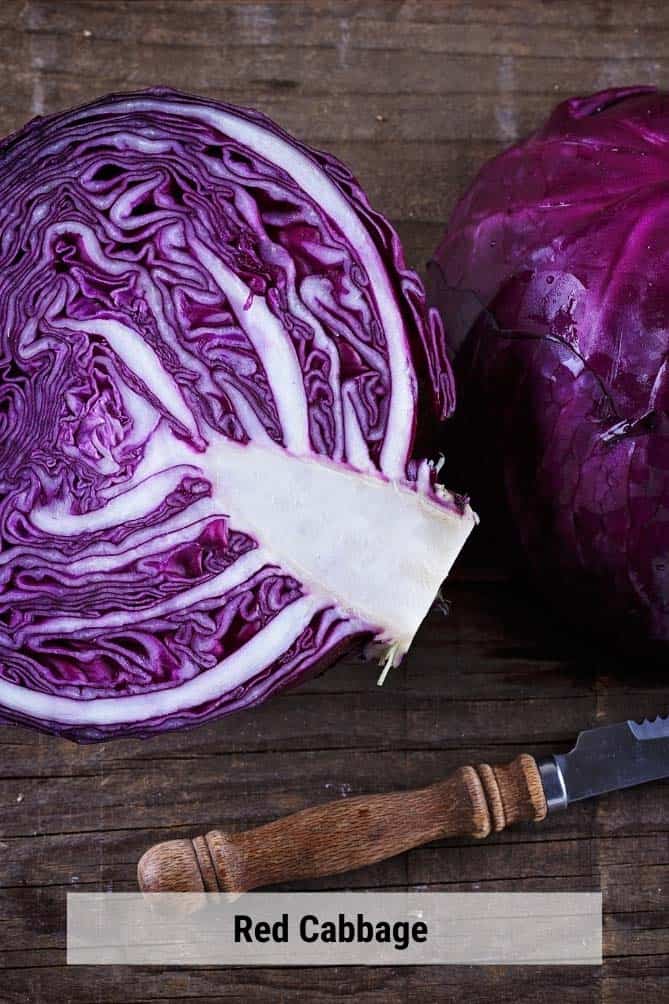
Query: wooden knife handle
x=347 y=834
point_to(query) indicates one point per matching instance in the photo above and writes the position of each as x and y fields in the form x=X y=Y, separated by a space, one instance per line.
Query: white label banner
x=334 y=929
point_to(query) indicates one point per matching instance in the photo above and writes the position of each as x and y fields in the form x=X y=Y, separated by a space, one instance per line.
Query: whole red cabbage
x=553 y=283
x=210 y=351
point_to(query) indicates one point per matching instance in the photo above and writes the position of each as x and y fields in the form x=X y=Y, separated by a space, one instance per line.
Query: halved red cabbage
x=209 y=347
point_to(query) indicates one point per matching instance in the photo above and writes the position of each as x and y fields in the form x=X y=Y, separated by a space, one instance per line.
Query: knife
x=350 y=833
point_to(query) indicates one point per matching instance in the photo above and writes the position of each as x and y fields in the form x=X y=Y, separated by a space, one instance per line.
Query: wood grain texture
x=414 y=96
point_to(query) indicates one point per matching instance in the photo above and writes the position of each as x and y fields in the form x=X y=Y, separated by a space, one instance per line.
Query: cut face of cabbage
x=209 y=355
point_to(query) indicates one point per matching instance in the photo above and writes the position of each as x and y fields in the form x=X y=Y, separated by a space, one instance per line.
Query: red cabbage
x=210 y=349
x=553 y=281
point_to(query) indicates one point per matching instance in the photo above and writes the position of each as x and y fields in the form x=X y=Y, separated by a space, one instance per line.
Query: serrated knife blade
x=606 y=759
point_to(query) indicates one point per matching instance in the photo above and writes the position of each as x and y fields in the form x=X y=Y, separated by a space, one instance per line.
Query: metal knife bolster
x=555 y=789
x=606 y=759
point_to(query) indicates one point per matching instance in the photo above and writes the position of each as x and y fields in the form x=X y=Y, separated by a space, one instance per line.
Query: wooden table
x=414 y=96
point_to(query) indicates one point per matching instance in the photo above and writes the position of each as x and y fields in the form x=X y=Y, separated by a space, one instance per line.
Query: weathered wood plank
x=119 y=985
